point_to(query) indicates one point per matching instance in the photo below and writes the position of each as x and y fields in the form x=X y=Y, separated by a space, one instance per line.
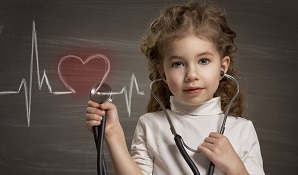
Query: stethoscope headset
x=103 y=93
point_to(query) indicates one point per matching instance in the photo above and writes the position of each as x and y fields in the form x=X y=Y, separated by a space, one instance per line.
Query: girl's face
x=192 y=68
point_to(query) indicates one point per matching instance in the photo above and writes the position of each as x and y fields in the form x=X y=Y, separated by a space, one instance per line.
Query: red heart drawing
x=80 y=76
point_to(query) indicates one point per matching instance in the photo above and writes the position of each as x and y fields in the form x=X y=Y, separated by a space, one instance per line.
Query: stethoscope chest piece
x=101 y=94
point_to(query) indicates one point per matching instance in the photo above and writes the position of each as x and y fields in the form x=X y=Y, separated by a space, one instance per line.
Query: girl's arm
x=219 y=150
x=123 y=164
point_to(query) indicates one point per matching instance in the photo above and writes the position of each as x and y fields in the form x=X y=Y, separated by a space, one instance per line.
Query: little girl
x=189 y=46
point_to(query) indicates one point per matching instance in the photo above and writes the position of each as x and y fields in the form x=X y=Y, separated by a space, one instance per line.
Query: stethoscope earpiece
x=222 y=73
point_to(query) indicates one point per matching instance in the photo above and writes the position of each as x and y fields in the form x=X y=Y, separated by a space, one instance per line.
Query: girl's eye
x=177 y=64
x=204 y=61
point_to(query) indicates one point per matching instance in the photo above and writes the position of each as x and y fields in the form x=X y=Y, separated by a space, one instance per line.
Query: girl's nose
x=191 y=74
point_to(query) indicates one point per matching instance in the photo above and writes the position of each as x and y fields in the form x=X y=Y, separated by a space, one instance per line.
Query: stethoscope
x=102 y=92
x=181 y=145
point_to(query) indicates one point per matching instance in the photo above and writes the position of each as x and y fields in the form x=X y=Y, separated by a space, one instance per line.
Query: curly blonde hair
x=205 y=21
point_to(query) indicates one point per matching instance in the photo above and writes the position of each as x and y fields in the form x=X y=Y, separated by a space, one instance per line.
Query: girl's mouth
x=193 y=90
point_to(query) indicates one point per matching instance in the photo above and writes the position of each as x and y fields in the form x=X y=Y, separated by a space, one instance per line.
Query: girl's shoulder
x=152 y=115
x=153 y=118
x=239 y=121
x=239 y=125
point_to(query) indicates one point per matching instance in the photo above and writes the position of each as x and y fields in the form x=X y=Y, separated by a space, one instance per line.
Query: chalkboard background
x=44 y=133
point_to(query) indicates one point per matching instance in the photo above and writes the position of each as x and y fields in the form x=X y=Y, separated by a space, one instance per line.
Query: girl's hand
x=114 y=136
x=96 y=111
x=219 y=150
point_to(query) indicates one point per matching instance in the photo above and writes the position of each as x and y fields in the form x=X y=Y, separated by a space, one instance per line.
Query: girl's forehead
x=190 y=43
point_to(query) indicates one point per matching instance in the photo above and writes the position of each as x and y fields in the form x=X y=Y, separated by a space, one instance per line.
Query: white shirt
x=154 y=149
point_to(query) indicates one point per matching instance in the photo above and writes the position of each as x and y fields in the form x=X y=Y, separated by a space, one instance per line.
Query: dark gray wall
x=57 y=141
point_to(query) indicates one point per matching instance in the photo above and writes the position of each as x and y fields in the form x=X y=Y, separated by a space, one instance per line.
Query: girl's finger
x=215 y=135
x=107 y=106
x=93 y=104
x=205 y=151
x=92 y=123
x=209 y=146
x=92 y=110
x=210 y=140
x=90 y=117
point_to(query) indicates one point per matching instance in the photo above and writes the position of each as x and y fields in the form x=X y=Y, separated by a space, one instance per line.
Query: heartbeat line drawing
x=44 y=79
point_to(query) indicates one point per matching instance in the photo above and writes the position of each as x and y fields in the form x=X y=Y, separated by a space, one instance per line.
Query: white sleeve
x=139 y=149
x=252 y=158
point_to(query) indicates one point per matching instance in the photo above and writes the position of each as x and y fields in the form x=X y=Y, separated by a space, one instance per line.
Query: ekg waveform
x=45 y=80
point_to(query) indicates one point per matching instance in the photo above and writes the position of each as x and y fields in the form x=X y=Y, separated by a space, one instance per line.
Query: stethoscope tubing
x=97 y=94
x=99 y=140
x=178 y=139
x=179 y=143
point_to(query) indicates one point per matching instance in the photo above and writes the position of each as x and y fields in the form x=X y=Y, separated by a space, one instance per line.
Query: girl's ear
x=161 y=72
x=225 y=63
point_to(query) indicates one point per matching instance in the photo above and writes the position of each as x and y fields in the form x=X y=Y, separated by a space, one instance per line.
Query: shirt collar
x=210 y=107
